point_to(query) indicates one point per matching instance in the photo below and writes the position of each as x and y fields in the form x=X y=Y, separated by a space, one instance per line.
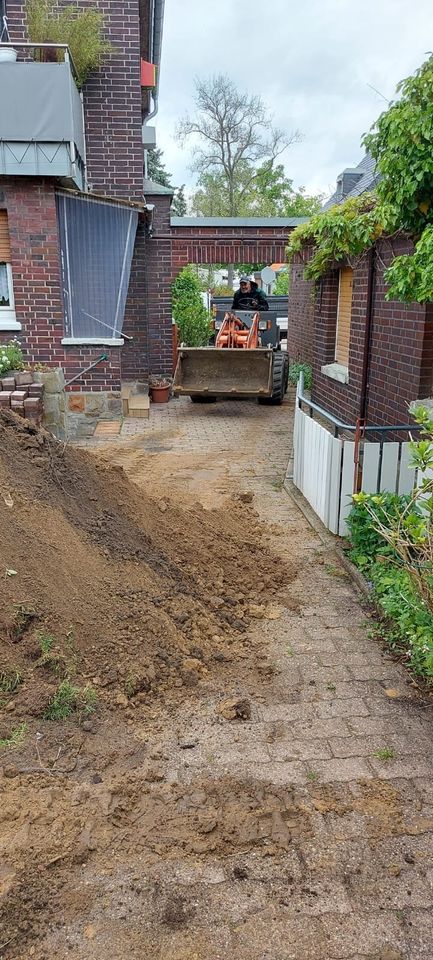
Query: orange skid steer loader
x=246 y=361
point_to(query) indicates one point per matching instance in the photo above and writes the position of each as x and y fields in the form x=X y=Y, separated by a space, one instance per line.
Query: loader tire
x=202 y=398
x=280 y=373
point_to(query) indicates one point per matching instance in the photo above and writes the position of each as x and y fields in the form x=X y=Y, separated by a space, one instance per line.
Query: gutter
x=156 y=48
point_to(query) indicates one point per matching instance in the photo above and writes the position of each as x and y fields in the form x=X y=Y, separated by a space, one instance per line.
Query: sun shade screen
x=344 y=316
x=5 y=247
x=96 y=243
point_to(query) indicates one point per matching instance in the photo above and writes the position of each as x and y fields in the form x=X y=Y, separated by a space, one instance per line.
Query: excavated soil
x=143 y=604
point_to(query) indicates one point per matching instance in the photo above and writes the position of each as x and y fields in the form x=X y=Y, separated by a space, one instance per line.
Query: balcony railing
x=41 y=116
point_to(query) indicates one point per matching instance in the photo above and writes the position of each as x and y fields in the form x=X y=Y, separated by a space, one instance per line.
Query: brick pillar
x=158 y=299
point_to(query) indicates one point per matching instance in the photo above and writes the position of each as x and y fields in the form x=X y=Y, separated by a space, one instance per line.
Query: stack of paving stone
x=19 y=393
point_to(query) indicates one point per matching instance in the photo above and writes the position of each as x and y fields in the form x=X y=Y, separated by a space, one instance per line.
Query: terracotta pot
x=160 y=394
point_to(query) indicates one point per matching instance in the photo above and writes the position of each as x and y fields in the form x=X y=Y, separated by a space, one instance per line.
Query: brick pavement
x=356 y=877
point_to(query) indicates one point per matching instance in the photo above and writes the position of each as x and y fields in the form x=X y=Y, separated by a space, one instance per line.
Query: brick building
x=73 y=211
x=371 y=357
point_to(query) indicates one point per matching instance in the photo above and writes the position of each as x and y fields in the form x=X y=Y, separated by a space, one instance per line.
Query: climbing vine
x=340 y=233
x=401 y=143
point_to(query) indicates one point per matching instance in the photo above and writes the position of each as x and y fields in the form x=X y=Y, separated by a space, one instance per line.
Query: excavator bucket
x=207 y=372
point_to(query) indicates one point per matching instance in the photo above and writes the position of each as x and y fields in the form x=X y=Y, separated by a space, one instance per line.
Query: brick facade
x=112 y=101
x=400 y=353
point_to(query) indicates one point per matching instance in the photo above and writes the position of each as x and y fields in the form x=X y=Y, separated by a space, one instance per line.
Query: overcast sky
x=310 y=60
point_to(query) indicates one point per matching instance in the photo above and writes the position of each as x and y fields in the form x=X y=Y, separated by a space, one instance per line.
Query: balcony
x=41 y=118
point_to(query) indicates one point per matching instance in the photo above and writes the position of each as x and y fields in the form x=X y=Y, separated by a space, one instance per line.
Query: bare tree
x=233 y=135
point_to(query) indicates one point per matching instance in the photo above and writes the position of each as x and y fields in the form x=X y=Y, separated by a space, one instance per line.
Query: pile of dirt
x=112 y=589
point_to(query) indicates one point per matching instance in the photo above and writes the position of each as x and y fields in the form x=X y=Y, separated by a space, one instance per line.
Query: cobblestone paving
x=339 y=742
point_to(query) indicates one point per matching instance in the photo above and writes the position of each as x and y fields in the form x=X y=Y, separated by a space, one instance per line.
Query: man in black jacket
x=249 y=296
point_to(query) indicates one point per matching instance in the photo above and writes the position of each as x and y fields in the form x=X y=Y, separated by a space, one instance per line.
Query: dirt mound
x=108 y=588
x=115 y=606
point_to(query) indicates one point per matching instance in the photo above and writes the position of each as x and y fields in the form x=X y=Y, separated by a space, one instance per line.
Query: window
x=96 y=245
x=7 y=306
x=344 y=316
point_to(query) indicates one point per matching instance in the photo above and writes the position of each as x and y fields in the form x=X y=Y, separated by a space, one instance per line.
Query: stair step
x=138 y=406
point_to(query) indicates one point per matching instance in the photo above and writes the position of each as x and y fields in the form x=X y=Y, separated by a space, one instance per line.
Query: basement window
x=8 y=320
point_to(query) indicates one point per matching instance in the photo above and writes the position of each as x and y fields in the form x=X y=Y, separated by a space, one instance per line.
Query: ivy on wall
x=401 y=143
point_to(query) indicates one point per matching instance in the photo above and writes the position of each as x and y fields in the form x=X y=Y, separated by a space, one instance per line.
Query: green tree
x=267 y=193
x=233 y=137
x=189 y=312
x=156 y=171
x=281 y=286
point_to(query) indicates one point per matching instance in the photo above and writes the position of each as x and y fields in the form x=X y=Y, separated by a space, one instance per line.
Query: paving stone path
x=338 y=749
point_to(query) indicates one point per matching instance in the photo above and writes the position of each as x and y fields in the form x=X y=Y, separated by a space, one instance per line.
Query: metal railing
x=26 y=45
x=358 y=428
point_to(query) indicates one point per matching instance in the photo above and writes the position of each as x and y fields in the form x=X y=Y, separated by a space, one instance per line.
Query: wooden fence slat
x=407 y=478
x=388 y=473
x=370 y=468
x=346 y=485
x=333 y=504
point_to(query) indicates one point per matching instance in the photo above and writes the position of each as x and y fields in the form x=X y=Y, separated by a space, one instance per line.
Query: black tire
x=287 y=374
x=280 y=373
x=202 y=398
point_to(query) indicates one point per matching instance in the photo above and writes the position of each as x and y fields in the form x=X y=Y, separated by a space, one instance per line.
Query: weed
x=10 y=680
x=69 y=699
x=131 y=685
x=16 y=737
x=289 y=650
x=336 y=572
x=277 y=484
x=46 y=641
x=312 y=775
x=22 y=619
x=331 y=687
x=385 y=753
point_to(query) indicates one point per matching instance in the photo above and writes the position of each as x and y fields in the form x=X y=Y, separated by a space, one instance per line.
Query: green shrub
x=365 y=539
x=11 y=356
x=296 y=368
x=189 y=312
x=409 y=628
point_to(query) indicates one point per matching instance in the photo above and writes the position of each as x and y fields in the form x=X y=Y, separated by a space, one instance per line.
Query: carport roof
x=237 y=221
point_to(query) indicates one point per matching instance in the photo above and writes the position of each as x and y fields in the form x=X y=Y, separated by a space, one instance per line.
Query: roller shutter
x=344 y=316
x=5 y=247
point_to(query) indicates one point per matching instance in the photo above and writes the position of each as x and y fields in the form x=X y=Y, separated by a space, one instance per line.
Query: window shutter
x=5 y=247
x=344 y=316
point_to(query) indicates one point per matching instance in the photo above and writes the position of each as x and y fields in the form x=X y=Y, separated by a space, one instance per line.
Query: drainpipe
x=367 y=336
x=158 y=20
x=363 y=403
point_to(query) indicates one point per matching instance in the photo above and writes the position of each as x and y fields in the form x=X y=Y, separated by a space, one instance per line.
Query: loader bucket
x=210 y=372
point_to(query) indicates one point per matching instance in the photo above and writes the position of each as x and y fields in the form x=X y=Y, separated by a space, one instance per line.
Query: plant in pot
x=159 y=389
x=7 y=54
x=81 y=30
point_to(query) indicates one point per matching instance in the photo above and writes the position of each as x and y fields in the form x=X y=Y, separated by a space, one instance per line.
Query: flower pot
x=8 y=55
x=160 y=394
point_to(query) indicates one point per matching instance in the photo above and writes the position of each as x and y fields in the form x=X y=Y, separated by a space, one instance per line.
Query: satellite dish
x=268 y=275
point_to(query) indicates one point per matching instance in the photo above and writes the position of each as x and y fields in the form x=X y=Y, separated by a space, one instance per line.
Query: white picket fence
x=323 y=469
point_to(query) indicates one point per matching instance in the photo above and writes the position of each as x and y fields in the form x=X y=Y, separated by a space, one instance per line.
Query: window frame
x=8 y=320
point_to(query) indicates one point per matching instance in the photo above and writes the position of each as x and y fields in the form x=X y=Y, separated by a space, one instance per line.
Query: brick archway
x=176 y=241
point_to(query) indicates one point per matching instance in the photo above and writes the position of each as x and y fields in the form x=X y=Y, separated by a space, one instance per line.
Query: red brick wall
x=401 y=348
x=300 y=336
